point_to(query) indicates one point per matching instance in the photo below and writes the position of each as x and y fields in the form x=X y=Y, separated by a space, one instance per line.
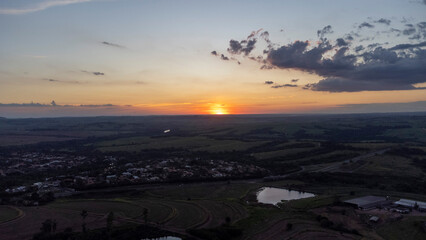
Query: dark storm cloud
x=384 y=21
x=112 y=44
x=284 y=85
x=294 y=80
x=269 y=82
x=214 y=53
x=94 y=73
x=365 y=24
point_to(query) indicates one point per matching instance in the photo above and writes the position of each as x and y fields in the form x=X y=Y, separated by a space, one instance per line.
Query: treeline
x=356 y=133
x=395 y=183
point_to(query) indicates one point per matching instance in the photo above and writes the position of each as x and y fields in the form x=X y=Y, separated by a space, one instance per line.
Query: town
x=65 y=179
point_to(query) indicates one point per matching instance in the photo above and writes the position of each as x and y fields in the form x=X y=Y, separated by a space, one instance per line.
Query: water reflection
x=271 y=195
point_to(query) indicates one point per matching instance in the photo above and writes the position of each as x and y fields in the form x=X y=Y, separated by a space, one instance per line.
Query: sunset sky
x=142 y=57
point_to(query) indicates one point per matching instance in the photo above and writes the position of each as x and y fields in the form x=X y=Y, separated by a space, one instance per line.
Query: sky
x=145 y=57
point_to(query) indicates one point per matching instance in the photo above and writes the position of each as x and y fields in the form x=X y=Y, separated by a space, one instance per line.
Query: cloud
x=214 y=53
x=254 y=33
x=366 y=24
x=113 y=44
x=419 y=106
x=61 y=81
x=384 y=21
x=269 y=82
x=40 y=6
x=346 y=68
x=245 y=46
x=326 y=30
x=359 y=48
x=348 y=85
x=409 y=30
x=223 y=57
x=32 y=110
x=284 y=85
x=94 y=73
x=53 y=104
x=294 y=80
x=408 y=46
x=341 y=42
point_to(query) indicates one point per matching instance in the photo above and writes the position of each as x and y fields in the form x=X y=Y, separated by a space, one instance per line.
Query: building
x=368 y=202
x=421 y=206
x=374 y=219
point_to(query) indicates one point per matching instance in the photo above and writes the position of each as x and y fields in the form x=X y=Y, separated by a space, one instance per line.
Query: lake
x=271 y=195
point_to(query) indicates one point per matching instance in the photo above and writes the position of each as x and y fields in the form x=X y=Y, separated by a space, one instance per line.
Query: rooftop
x=365 y=200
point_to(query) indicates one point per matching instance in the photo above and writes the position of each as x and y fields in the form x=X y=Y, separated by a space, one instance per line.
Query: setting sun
x=218 y=109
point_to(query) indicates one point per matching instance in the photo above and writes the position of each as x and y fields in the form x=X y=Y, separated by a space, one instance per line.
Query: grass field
x=390 y=165
x=199 y=143
x=120 y=208
x=8 y=213
x=408 y=229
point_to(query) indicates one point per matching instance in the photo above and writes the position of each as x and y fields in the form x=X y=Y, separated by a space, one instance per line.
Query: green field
x=201 y=143
x=390 y=165
x=8 y=213
x=410 y=228
x=121 y=208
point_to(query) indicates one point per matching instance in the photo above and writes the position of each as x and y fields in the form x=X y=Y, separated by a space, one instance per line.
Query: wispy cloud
x=284 y=85
x=60 y=81
x=40 y=6
x=94 y=73
x=53 y=104
x=112 y=44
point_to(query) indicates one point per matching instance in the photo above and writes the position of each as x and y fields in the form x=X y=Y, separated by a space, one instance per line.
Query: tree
x=83 y=215
x=46 y=226
x=35 y=196
x=145 y=215
x=110 y=219
x=289 y=226
x=54 y=225
x=228 y=220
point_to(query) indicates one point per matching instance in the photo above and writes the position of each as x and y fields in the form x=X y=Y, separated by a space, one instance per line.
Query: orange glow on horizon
x=218 y=109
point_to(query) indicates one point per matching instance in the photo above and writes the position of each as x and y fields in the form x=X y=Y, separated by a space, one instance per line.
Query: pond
x=271 y=195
